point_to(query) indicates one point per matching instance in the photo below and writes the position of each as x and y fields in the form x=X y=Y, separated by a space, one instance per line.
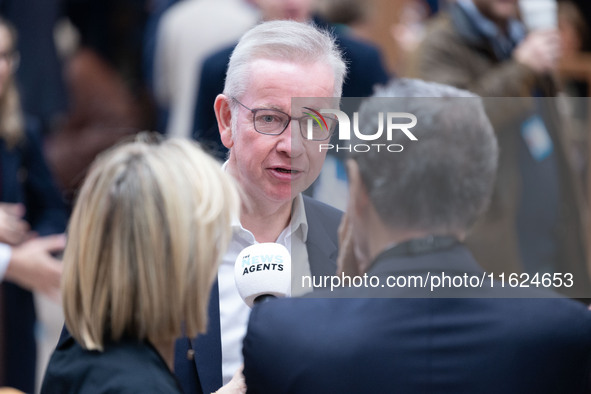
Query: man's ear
x=357 y=190
x=224 y=117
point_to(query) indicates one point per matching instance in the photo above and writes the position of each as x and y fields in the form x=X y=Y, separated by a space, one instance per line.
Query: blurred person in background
x=149 y=228
x=574 y=36
x=584 y=9
x=535 y=221
x=113 y=31
x=26 y=263
x=187 y=33
x=100 y=43
x=365 y=67
x=574 y=32
x=103 y=113
x=409 y=31
x=352 y=17
x=39 y=75
x=156 y=9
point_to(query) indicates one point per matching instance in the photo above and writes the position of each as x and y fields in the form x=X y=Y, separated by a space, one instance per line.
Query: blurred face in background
x=297 y=10
x=499 y=11
x=7 y=58
x=572 y=29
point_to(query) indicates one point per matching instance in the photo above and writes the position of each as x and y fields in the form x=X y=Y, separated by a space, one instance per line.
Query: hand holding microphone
x=262 y=271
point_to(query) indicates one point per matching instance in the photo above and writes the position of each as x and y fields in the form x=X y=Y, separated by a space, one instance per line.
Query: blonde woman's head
x=148 y=230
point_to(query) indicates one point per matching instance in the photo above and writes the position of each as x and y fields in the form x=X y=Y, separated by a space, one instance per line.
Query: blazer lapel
x=208 y=347
x=322 y=250
x=323 y=259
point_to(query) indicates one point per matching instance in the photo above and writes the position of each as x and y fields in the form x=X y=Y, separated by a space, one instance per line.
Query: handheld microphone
x=263 y=271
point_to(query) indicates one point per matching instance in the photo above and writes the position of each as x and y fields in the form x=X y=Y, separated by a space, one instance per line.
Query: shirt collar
x=298 y=216
x=235 y=223
x=487 y=28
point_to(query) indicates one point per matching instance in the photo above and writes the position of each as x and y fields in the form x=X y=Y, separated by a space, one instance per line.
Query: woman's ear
x=224 y=117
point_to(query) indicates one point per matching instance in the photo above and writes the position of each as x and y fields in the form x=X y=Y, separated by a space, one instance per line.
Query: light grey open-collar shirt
x=234 y=312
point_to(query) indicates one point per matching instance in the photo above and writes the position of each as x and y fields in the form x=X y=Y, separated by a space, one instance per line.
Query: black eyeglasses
x=313 y=126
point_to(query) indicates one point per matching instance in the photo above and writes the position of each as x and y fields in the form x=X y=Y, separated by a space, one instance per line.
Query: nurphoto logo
x=393 y=124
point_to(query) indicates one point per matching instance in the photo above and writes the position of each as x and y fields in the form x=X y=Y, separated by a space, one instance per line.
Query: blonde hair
x=11 y=114
x=149 y=228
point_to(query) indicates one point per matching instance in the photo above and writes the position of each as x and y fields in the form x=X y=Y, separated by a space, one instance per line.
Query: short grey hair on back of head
x=442 y=182
x=149 y=228
x=288 y=41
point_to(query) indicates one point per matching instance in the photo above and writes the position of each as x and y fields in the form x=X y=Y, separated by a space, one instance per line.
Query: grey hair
x=442 y=182
x=287 y=41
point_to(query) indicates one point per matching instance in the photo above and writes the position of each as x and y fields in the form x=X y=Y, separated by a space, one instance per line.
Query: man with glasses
x=274 y=156
x=364 y=63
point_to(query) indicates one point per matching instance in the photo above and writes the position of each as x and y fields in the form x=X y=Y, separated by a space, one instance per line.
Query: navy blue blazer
x=26 y=179
x=203 y=373
x=419 y=345
x=365 y=70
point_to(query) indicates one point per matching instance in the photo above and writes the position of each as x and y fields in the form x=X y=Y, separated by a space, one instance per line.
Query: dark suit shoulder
x=558 y=319
x=365 y=64
x=211 y=83
x=400 y=345
x=358 y=48
x=218 y=59
x=315 y=207
x=561 y=321
x=46 y=210
x=124 y=367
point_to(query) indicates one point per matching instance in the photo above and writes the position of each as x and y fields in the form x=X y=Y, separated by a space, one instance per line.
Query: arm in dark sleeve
x=46 y=211
x=365 y=67
x=213 y=76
